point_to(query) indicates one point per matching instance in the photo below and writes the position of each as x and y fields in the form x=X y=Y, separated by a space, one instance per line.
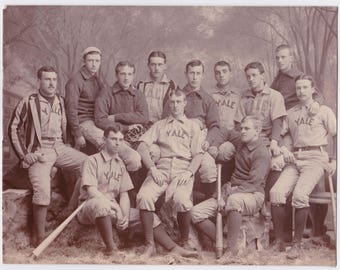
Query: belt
x=308 y=148
x=51 y=138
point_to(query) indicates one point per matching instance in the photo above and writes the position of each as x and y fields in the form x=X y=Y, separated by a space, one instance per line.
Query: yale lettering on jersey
x=179 y=133
x=226 y=103
x=304 y=121
x=115 y=175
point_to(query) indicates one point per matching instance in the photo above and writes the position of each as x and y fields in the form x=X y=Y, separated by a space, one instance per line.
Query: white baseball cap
x=91 y=49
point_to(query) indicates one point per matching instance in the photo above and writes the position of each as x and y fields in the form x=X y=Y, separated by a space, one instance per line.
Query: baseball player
x=180 y=156
x=244 y=194
x=156 y=89
x=37 y=131
x=105 y=185
x=264 y=102
x=225 y=95
x=81 y=92
x=284 y=82
x=122 y=105
x=305 y=164
x=202 y=108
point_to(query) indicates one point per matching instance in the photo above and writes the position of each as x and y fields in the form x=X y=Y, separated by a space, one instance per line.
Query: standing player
x=105 y=184
x=37 y=131
x=157 y=88
x=226 y=96
x=265 y=103
x=244 y=194
x=180 y=156
x=202 y=108
x=122 y=105
x=81 y=92
x=305 y=164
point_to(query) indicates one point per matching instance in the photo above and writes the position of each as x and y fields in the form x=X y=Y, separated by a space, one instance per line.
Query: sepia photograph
x=169 y=135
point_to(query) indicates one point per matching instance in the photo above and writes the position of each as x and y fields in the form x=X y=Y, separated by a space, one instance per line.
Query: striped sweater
x=24 y=128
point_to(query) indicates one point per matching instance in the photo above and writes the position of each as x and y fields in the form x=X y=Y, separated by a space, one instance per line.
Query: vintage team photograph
x=170 y=135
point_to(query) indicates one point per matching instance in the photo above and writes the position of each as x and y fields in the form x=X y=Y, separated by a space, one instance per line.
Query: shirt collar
x=187 y=90
x=265 y=91
x=107 y=157
x=164 y=79
x=225 y=90
x=117 y=88
x=85 y=73
x=293 y=72
x=253 y=145
x=182 y=119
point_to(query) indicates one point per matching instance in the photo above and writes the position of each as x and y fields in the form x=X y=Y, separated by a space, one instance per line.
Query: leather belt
x=51 y=138
x=308 y=148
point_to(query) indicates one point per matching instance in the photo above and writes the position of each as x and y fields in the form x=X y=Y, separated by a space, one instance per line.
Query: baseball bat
x=48 y=240
x=219 y=227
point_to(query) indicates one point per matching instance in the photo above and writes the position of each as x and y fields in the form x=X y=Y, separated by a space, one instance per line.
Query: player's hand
x=220 y=205
x=157 y=176
x=287 y=155
x=331 y=167
x=79 y=142
x=31 y=158
x=184 y=178
x=122 y=223
x=205 y=145
x=314 y=108
x=111 y=118
x=274 y=148
x=213 y=151
x=199 y=122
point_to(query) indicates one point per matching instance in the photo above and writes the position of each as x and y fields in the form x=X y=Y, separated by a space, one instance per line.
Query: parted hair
x=177 y=92
x=222 y=63
x=157 y=54
x=283 y=47
x=255 y=65
x=115 y=129
x=124 y=64
x=254 y=119
x=306 y=77
x=45 y=69
x=194 y=63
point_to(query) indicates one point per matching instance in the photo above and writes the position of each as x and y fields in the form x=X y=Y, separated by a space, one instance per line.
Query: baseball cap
x=91 y=49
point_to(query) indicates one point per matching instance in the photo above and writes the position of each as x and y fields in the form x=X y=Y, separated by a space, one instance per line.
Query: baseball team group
x=274 y=138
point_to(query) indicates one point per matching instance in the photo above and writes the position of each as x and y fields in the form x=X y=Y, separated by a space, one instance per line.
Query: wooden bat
x=48 y=240
x=219 y=226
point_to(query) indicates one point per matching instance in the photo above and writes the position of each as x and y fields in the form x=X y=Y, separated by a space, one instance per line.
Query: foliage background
x=56 y=35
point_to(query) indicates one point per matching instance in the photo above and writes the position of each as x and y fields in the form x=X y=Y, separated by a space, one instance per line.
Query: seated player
x=244 y=194
x=305 y=165
x=180 y=156
x=104 y=185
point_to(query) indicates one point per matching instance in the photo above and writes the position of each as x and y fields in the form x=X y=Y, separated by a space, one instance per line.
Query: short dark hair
x=124 y=64
x=45 y=69
x=157 y=54
x=115 y=129
x=305 y=77
x=194 y=63
x=283 y=47
x=255 y=65
x=254 y=119
x=222 y=63
x=177 y=92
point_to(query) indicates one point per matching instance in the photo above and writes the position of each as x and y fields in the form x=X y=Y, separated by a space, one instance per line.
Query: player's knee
x=300 y=199
x=133 y=162
x=144 y=201
x=276 y=197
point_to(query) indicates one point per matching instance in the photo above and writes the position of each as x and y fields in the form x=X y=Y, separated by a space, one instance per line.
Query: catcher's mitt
x=134 y=132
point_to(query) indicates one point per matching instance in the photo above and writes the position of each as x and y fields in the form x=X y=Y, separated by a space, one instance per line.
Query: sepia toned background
x=56 y=35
